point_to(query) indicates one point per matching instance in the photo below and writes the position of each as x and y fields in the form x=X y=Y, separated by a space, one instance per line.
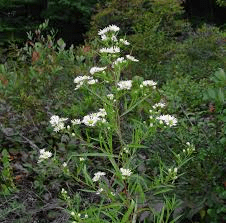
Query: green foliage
x=6 y=178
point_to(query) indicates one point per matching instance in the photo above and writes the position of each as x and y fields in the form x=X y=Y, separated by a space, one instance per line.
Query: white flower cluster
x=118 y=61
x=110 y=96
x=124 y=85
x=148 y=83
x=190 y=148
x=125 y=172
x=173 y=173
x=168 y=120
x=109 y=28
x=93 y=118
x=94 y=70
x=124 y=41
x=57 y=123
x=129 y=57
x=98 y=175
x=81 y=79
x=76 y=122
x=159 y=105
x=113 y=49
x=44 y=155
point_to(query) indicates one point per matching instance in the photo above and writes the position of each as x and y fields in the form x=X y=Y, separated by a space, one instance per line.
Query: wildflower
x=44 y=155
x=103 y=37
x=118 y=61
x=129 y=57
x=99 y=191
x=90 y=120
x=112 y=28
x=86 y=216
x=149 y=83
x=125 y=172
x=73 y=134
x=81 y=159
x=113 y=49
x=125 y=85
x=110 y=96
x=57 y=123
x=64 y=164
x=175 y=170
x=124 y=41
x=113 y=38
x=96 y=69
x=160 y=104
x=79 y=79
x=76 y=121
x=93 y=81
x=102 y=112
x=168 y=120
x=98 y=175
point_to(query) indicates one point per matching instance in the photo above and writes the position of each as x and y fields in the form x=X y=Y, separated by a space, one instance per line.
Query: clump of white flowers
x=129 y=57
x=120 y=60
x=109 y=28
x=124 y=41
x=113 y=49
x=110 y=96
x=93 y=118
x=98 y=175
x=168 y=120
x=125 y=172
x=190 y=148
x=124 y=85
x=57 y=123
x=173 y=173
x=148 y=83
x=94 y=70
x=76 y=122
x=159 y=105
x=80 y=80
x=44 y=155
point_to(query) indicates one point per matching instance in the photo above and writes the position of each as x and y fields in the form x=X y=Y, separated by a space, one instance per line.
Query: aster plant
x=131 y=111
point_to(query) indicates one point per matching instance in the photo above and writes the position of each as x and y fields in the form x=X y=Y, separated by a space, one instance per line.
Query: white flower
x=125 y=172
x=96 y=69
x=97 y=176
x=112 y=28
x=90 y=120
x=168 y=120
x=149 y=83
x=124 y=41
x=102 y=112
x=79 y=79
x=86 y=215
x=119 y=60
x=103 y=37
x=64 y=164
x=110 y=96
x=44 y=155
x=93 y=81
x=129 y=57
x=99 y=191
x=57 y=123
x=160 y=104
x=125 y=85
x=175 y=170
x=76 y=121
x=113 y=49
x=113 y=38
x=81 y=159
